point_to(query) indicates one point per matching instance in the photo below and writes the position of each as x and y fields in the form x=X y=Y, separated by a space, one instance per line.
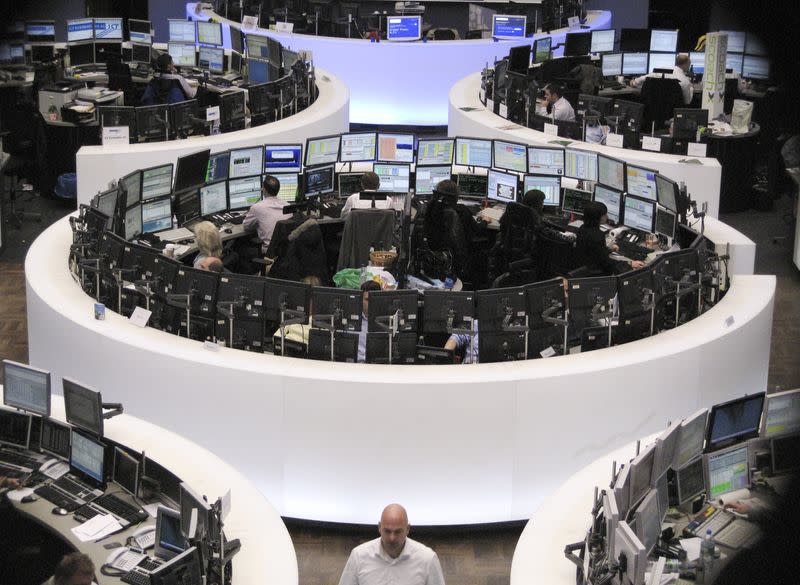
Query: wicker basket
x=382 y=258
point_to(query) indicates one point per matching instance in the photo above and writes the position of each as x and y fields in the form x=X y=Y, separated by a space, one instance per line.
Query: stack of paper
x=97 y=527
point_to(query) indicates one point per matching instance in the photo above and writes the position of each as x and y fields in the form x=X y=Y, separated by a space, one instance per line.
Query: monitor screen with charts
x=244 y=192
x=87 y=457
x=665 y=223
x=133 y=222
x=322 y=151
x=157 y=215
x=209 y=33
x=358 y=147
x=580 y=164
x=611 y=64
x=218 y=166
x=183 y=55
x=435 y=151
x=349 y=183
x=660 y=61
x=641 y=182
x=691 y=438
x=640 y=214
x=181 y=31
x=602 y=41
x=26 y=387
x=156 y=181
x=736 y=40
x=667 y=190
x=509 y=156
x=634 y=63
x=611 y=172
x=781 y=414
x=502 y=187
x=246 y=162
x=396 y=147
x=213 y=198
x=211 y=58
x=506 y=26
x=290 y=185
x=727 y=471
x=55 y=438
x=663 y=41
x=543 y=160
x=394 y=178
x=403 y=28
x=428 y=177
x=573 y=200
x=612 y=199
x=474 y=152
x=283 y=158
x=547 y=184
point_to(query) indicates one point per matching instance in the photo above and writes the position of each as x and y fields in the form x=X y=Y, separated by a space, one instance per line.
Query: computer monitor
x=602 y=41
x=157 y=215
x=126 y=471
x=358 y=147
x=289 y=58
x=218 y=164
x=87 y=458
x=736 y=40
x=262 y=103
x=319 y=180
x=734 y=62
x=474 y=152
x=785 y=454
x=232 y=110
x=547 y=184
x=611 y=172
x=394 y=177
x=284 y=295
x=322 y=151
x=26 y=388
x=641 y=474
x=258 y=71
x=181 y=31
x=634 y=63
x=612 y=199
x=639 y=214
x=141 y=53
x=585 y=296
x=246 y=162
x=349 y=183
x=151 y=122
x=519 y=59
x=509 y=156
x=427 y=355
x=580 y=164
x=755 y=67
x=42 y=53
x=140 y=31
x=611 y=64
x=195 y=513
x=435 y=151
x=665 y=446
x=543 y=297
x=403 y=28
x=648 y=520
x=543 y=160
x=169 y=540
x=698 y=60
x=235 y=61
x=190 y=170
x=667 y=193
x=336 y=307
x=577 y=44
x=621 y=487
x=663 y=41
x=574 y=200
x=502 y=187
x=599 y=104
x=40 y=31
x=106 y=203
x=689 y=481
x=244 y=192
x=80 y=29
x=426 y=178
x=686 y=123
x=102 y=51
x=541 y=49
x=641 y=182
x=213 y=198
x=209 y=33
x=781 y=414
x=108 y=29
x=403 y=304
x=611 y=519
x=660 y=61
x=499 y=306
x=84 y=406
x=156 y=181
x=665 y=223
x=395 y=147
x=81 y=54
x=132 y=222
x=501 y=346
x=183 y=55
x=734 y=421
x=627 y=544
x=283 y=158
x=690 y=439
x=508 y=26
x=15 y=428
x=257 y=46
x=726 y=471
x=403 y=348
x=447 y=310
x=754 y=45
x=634 y=39
x=631 y=113
x=212 y=59
x=55 y=438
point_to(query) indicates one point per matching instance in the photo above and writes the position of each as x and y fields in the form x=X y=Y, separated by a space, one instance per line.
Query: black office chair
x=660 y=96
x=120 y=79
x=517 y=236
x=444 y=34
x=556 y=257
x=444 y=232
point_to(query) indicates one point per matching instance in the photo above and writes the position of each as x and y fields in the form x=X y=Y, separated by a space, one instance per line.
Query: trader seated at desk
x=167 y=86
x=680 y=72
x=369 y=184
x=590 y=247
x=555 y=105
x=73 y=569
x=266 y=213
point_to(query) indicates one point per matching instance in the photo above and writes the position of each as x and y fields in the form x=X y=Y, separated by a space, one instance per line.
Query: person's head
x=447 y=190
x=271 y=186
x=552 y=92
x=207 y=239
x=534 y=199
x=211 y=263
x=683 y=61
x=74 y=569
x=368 y=286
x=370 y=181
x=393 y=529
x=164 y=63
x=594 y=213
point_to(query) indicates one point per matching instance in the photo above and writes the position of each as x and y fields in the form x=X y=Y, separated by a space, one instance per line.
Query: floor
x=471 y=555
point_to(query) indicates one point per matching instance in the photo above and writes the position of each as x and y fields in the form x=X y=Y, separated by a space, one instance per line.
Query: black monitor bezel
x=643 y=200
x=101 y=485
x=96 y=398
x=710 y=446
x=48 y=381
x=473 y=166
x=316 y=138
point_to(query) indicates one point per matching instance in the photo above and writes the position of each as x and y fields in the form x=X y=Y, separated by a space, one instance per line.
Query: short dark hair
x=592 y=212
x=447 y=189
x=70 y=565
x=163 y=62
x=554 y=88
x=271 y=185
x=370 y=285
x=370 y=180
x=534 y=199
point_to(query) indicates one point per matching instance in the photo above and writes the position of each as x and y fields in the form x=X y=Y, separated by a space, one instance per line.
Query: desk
x=313 y=435
x=736 y=154
x=267 y=554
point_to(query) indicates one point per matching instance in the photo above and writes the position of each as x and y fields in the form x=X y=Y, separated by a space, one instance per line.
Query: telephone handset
x=145 y=537
x=124 y=559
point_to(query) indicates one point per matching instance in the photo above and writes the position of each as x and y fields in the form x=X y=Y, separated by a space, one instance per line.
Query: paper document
x=96 y=528
x=692 y=548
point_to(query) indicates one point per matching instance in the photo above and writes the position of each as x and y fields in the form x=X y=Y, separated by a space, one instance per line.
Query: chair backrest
x=556 y=257
x=163 y=91
x=444 y=34
x=660 y=95
x=365 y=229
x=517 y=232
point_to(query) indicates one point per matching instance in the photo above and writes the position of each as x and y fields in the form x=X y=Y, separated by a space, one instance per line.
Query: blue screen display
x=508 y=27
x=257 y=71
x=108 y=28
x=403 y=28
x=283 y=158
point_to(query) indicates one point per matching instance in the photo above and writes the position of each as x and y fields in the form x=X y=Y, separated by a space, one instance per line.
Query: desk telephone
x=145 y=537
x=124 y=559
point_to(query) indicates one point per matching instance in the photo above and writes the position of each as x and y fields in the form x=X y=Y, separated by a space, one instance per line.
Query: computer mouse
x=28 y=499
x=58 y=511
x=228 y=231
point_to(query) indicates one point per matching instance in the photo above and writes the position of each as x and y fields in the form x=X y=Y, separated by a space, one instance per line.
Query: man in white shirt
x=682 y=65
x=369 y=184
x=266 y=213
x=393 y=558
x=555 y=105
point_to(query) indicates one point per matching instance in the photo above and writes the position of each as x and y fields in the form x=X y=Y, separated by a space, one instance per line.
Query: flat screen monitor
x=246 y=162
x=140 y=53
x=132 y=225
x=183 y=55
x=156 y=181
x=80 y=29
x=509 y=156
x=86 y=458
x=502 y=187
x=447 y=310
x=641 y=474
x=519 y=59
x=726 y=471
x=660 y=61
x=42 y=53
x=211 y=58
x=547 y=184
x=283 y=158
x=257 y=47
x=84 y=407
x=40 y=31
x=472 y=186
x=634 y=39
x=640 y=214
x=736 y=40
x=102 y=51
x=754 y=45
x=734 y=421
x=785 y=454
x=755 y=67
x=474 y=152
x=698 y=60
x=151 y=122
x=169 y=540
x=209 y=33
x=665 y=223
x=218 y=164
x=319 y=180
x=691 y=437
x=641 y=182
x=108 y=29
x=358 y=147
x=663 y=41
x=244 y=192
x=322 y=151
x=195 y=513
x=577 y=44
x=689 y=481
x=602 y=41
x=508 y=26
x=232 y=109
x=55 y=438
x=126 y=472
x=627 y=544
x=612 y=199
x=401 y=304
x=235 y=62
x=403 y=28
x=15 y=428
x=213 y=198
x=611 y=64
x=611 y=172
x=580 y=164
x=621 y=486
x=634 y=63
x=734 y=62
x=541 y=49
x=543 y=160
x=81 y=54
x=667 y=193
x=337 y=308
x=290 y=186
x=157 y=215
x=107 y=203
x=665 y=450
x=349 y=183
x=394 y=177
x=781 y=414
x=648 y=520
x=140 y=31
x=436 y=151
x=258 y=71
x=190 y=170
x=181 y=31
x=26 y=387
x=186 y=567
x=427 y=178
x=395 y=147
x=574 y=200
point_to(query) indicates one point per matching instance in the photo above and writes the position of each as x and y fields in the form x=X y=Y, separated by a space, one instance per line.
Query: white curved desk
x=337 y=442
x=702 y=180
x=97 y=166
x=399 y=83
x=267 y=554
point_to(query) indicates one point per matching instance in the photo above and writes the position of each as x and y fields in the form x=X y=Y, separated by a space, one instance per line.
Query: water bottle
x=707 y=555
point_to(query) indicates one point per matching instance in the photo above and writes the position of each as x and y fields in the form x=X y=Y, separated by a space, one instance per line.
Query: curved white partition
x=399 y=83
x=467 y=116
x=456 y=444
x=97 y=166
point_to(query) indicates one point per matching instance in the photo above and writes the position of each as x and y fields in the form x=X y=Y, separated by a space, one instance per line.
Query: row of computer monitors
x=630 y=64
x=711 y=453
x=27 y=390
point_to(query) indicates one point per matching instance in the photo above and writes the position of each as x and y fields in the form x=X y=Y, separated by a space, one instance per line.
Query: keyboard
x=738 y=534
x=54 y=496
x=236 y=220
x=19 y=459
x=136 y=577
x=7 y=471
x=492 y=213
x=176 y=235
x=111 y=503
x=632 y=251
x=73 y=487
x=612 y=85
x=716 y=522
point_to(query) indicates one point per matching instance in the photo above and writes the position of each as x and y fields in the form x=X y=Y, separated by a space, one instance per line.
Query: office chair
x=660 y=96
x=120 y=79
x=303 y=255
x=475 y=34
x=556 y=257
x=443 y=34
x=517 y=236
x=365 y=229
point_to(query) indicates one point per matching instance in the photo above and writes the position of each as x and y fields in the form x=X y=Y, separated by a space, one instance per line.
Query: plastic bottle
x=707 y=548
